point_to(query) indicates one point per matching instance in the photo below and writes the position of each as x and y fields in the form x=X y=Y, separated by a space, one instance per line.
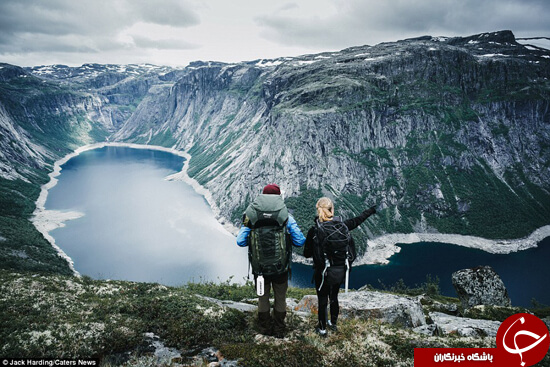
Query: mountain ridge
x=448 y=135
x=297 y=94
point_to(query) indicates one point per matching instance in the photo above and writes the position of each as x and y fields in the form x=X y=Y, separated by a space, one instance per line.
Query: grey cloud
x=288 y=6
x=166 y=12
x=58 y=17
x=358 y=22
x=33 y=25
x=47 y=45
x=164 y=44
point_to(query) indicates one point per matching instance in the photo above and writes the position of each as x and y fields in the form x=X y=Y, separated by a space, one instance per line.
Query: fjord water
x=138 y=226
x=525 y=273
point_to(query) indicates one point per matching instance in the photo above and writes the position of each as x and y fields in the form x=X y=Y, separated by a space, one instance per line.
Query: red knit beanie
x=272 y=189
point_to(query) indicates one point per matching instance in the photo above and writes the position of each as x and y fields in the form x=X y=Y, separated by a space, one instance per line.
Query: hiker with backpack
x=333 y=250
x=269 y=231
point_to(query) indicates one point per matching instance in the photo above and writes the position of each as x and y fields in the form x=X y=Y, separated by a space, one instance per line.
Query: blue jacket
x=296 y=235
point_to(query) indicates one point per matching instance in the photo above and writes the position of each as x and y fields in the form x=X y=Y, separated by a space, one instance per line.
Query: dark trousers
x=327 y=294
x=280 y=286
x=267 y=325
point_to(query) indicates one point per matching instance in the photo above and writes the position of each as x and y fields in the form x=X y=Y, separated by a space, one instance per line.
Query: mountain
x=46 y=113
x=446 y=135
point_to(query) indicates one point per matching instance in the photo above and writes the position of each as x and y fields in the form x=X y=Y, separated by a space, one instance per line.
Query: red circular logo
x=525 y=338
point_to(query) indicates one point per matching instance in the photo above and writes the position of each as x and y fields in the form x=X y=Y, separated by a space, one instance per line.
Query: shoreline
x=201 y=190
x=46 y=220
x=379 y=249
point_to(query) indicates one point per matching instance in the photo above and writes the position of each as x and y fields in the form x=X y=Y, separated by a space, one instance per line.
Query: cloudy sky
x=175 y=32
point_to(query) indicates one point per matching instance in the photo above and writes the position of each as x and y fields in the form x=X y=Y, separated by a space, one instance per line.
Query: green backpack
x=269 y=243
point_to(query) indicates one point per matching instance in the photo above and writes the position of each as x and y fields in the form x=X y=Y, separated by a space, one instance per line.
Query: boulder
x=480 y=286
x=240 y=306
x=444 y=324
x=308 y=304
x=399 y=310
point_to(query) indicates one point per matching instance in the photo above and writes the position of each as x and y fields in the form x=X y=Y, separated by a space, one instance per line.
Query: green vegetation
x=497 y=313
x=223 y=290
x=495 y=211
x=374 y=158
x=238 y=292
x=164 y=139
x=302 y=208
x=69 y=317
x=430 y=288
x=203 y=157
x=57 y=121
x=22 y=247
x=539 y=309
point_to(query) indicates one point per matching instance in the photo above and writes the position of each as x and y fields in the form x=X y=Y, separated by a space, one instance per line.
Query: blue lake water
x=138 y=226
x=525 y=274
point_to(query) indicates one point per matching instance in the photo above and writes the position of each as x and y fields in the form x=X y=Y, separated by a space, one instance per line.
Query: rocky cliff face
x=448 y=135
x=443 y=134
x=47 y=111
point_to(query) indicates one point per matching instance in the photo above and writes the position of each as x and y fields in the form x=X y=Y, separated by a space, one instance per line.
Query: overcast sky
x=175 y=32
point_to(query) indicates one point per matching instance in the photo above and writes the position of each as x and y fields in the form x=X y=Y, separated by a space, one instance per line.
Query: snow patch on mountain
x=538 y=42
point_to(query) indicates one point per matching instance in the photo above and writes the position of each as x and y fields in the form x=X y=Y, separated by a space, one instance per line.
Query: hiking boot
x=279 y=326
x=321 y=332
x=332 y=326
x=265 y=323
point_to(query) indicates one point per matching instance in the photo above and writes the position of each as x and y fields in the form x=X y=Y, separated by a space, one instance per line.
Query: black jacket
x=350 y=223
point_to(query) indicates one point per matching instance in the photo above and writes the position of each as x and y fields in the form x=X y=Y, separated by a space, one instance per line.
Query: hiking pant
x=280 y=286
x=328 y=292
x=267 y=325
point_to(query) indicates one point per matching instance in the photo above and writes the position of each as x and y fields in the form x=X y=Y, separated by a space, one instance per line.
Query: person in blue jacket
x=279 y=282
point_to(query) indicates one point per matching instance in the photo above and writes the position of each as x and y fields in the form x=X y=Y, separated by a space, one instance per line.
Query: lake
x=525 y=273
x=138 y=226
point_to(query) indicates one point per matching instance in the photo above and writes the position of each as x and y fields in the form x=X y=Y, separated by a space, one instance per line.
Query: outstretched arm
x=355 y=222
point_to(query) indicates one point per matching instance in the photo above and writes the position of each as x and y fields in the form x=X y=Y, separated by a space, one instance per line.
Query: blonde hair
x=325 y=209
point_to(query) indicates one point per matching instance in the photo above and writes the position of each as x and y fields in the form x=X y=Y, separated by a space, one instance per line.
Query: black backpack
x=333 y=243
x=269 y=243
x=332 y=253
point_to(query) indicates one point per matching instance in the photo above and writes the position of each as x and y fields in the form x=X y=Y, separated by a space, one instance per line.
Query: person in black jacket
x=329 y=290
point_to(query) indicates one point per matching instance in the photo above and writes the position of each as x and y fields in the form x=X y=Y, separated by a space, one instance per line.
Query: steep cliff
x=445 y=135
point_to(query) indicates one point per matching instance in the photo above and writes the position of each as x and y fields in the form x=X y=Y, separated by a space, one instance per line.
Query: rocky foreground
x=136 y=324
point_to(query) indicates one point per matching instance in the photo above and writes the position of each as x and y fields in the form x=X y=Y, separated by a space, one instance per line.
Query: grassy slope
x=62 y=316
x=22 y=247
